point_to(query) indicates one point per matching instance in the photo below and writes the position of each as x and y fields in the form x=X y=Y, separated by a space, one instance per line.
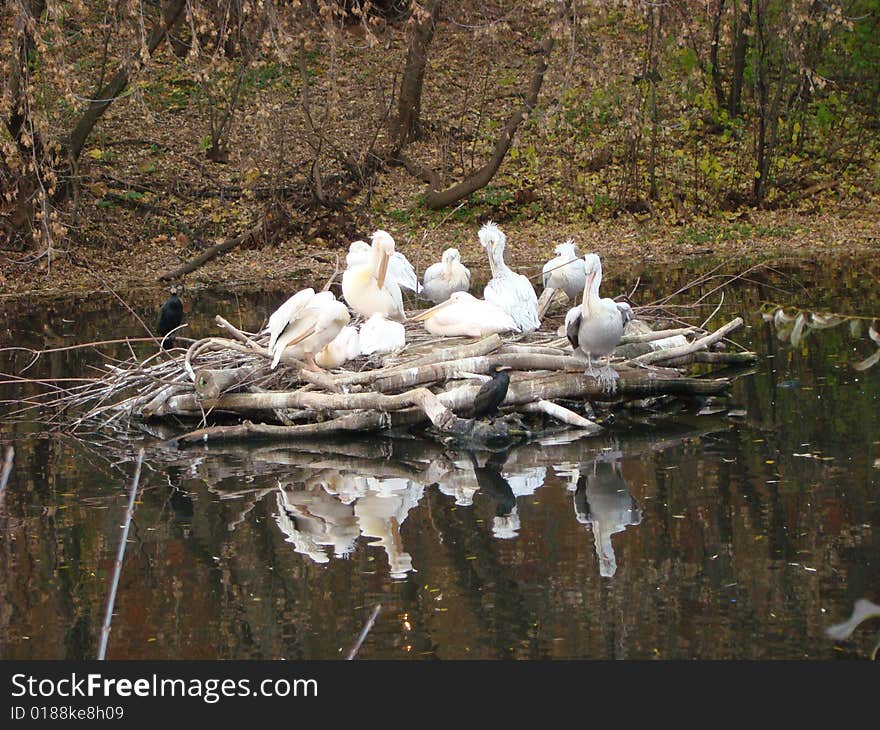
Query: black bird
x=493 y=483
x=170 y=316
x=493 y=392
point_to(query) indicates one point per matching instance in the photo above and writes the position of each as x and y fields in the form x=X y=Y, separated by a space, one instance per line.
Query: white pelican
x=465 y=315
x=506 y=289
x=596 y=325
x=381 y=335
x=304 y=324
x=367 y=288
x=446 y=277
x=400 y=270
x=566 y=271
x=344 y=347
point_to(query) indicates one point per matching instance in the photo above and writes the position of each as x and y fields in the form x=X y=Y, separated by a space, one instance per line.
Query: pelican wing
x=286 y=313
x=434 y=271
x=514 y=294
x=573 y=326
x=403 y=272
x=304 y=326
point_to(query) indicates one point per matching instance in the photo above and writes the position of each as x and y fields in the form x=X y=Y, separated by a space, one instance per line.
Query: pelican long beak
x=427 y=313
x=588 y=285
x=299 y=338
x=383 y=269
x=492 y=257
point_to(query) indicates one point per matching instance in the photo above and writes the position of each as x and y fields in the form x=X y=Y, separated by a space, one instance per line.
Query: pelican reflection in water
x=603 y=502
x=334 y=507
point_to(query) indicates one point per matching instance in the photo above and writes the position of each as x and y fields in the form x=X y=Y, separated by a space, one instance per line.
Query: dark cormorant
x=493 y=392
x=493 y=483
x=170 y=317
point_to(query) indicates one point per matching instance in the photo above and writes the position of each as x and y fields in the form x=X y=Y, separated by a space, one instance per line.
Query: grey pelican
x=596 y=325
x=304 y=324
x=445 y=278
x=508 y=290
x=465 y=315
x=368 y=289
x=567 y=271
x=400 y=270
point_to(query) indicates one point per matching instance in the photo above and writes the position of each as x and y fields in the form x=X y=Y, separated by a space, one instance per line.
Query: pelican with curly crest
x=304 y=324
x=596 y=325
x=445 y=278
x=368 y=289
x=508 y=290
x=463 y=315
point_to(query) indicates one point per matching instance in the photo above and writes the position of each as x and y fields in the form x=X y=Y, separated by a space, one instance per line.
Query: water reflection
x=333 y=508
x=745 y=547
x=505 y=524
x=604 y=503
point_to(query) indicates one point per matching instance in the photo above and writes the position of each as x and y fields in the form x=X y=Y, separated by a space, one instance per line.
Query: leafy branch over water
x=793 y=325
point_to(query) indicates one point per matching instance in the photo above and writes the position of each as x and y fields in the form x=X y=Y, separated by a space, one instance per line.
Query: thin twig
x=120 y=555
x=7 y=470
x=364 y=631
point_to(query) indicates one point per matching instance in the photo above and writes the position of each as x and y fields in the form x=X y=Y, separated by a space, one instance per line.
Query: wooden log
x=632 y=384
x=156 y=406
x=475 y=349
x=427 y=407
x=560 y=413
x=715 y=358
x=634 y=349
x=210 y=382
x=656 y=335
x=700 y=344
x=418 y=375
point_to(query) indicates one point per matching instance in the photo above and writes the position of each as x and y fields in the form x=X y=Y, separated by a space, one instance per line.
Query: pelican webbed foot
x=607 y=378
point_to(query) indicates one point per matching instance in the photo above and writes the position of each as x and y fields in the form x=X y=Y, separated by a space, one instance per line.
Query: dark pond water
x=705 y=534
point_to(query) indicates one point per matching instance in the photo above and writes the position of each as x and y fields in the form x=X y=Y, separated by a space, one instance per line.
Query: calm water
x=695 y=535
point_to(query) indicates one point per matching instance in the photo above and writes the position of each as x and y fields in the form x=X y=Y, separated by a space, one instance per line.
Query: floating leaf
x=873 y=334
x=862 y=610
x=868 y=363
x=797 y=332
x=855 y=328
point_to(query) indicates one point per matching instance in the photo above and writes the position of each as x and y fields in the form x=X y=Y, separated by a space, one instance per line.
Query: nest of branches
x=223 y=388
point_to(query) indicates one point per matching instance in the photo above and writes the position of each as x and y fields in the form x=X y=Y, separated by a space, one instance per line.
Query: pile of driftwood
x=224 y=385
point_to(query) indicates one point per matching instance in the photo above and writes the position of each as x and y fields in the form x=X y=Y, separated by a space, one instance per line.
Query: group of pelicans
x=315 y=327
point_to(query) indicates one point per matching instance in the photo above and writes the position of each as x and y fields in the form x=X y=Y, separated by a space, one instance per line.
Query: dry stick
x=562 y=414
x=7 y=470
x=364 y=631
x=480 y=347
x=111 y=599
x=656 y=335
x=700 y=344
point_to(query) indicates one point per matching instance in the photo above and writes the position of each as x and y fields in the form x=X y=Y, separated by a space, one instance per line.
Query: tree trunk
x=713 y=54
x=441 y=198
x=734 y=101
x=406 y=125
x=111 y=90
